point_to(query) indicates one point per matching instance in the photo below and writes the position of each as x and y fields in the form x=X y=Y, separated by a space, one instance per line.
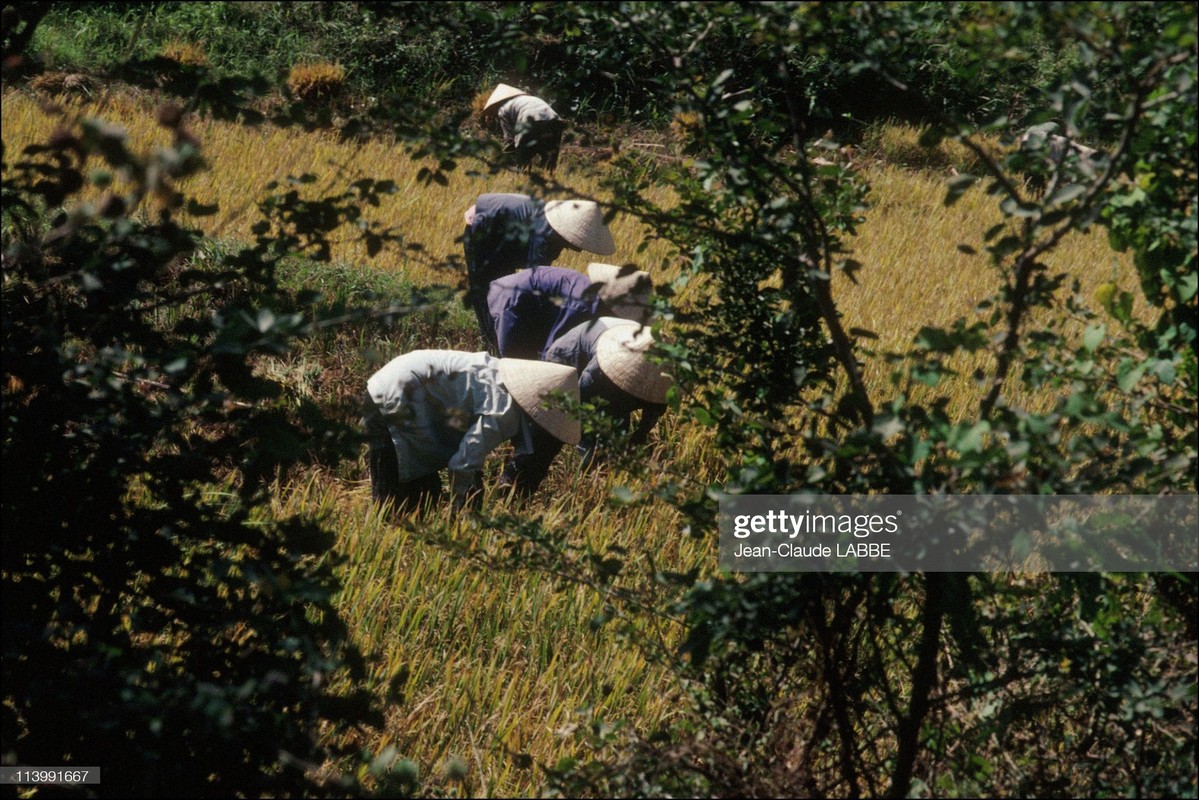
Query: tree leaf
x=1093 y=336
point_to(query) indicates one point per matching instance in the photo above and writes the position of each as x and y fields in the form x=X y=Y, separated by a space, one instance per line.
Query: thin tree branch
x=924 y=680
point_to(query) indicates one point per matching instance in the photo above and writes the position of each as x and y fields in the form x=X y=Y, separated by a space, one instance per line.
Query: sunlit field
x=476 y=662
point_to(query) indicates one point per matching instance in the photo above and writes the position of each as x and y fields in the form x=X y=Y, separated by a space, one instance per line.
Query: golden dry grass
x=185 y=53
x=250 y=158
x=498 y=662
x=915 y=275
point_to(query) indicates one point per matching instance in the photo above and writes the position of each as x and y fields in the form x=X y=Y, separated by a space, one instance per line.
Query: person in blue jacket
x=508 y=232
x=531 y=308
x=609 y=355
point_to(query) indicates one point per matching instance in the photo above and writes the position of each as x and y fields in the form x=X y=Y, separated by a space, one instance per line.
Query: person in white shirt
x=429 y=410
x=529 y=126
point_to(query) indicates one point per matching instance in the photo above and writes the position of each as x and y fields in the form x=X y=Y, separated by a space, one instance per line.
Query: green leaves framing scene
x=897 y=248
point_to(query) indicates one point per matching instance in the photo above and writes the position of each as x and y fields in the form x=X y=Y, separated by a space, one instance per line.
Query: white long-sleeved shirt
x=446 y=409
x=515 y=116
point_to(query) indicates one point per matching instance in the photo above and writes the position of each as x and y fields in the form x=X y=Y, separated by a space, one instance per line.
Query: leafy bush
x=157 y=616
x=936 y=683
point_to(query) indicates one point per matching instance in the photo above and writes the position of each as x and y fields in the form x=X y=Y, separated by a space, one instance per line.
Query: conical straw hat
x=628 y=294
x=530 y=381
x=502 y=92
x=581 y=223
x=621 y=354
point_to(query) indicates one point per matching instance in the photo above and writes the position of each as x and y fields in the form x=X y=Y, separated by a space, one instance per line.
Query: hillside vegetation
x=199 y=351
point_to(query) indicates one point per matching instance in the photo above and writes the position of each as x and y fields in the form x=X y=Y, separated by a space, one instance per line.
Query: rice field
x=477 y=662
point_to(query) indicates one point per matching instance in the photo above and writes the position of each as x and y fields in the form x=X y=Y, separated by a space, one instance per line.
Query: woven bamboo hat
x=621 y=354
x=502 y=92
x=624 y=290
x=530 y=381
x=581 y=223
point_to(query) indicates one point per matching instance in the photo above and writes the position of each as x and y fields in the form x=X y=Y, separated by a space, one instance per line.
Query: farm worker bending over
x=528 y=125
x=507 y=232
x=531 y=308
x=610 y=356
x=625 y=292
x=430 y=410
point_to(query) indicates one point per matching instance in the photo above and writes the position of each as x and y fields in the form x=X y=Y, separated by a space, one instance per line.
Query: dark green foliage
x=423 y=54
x=158 y=620
x=823 y=685
x=867 y=685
